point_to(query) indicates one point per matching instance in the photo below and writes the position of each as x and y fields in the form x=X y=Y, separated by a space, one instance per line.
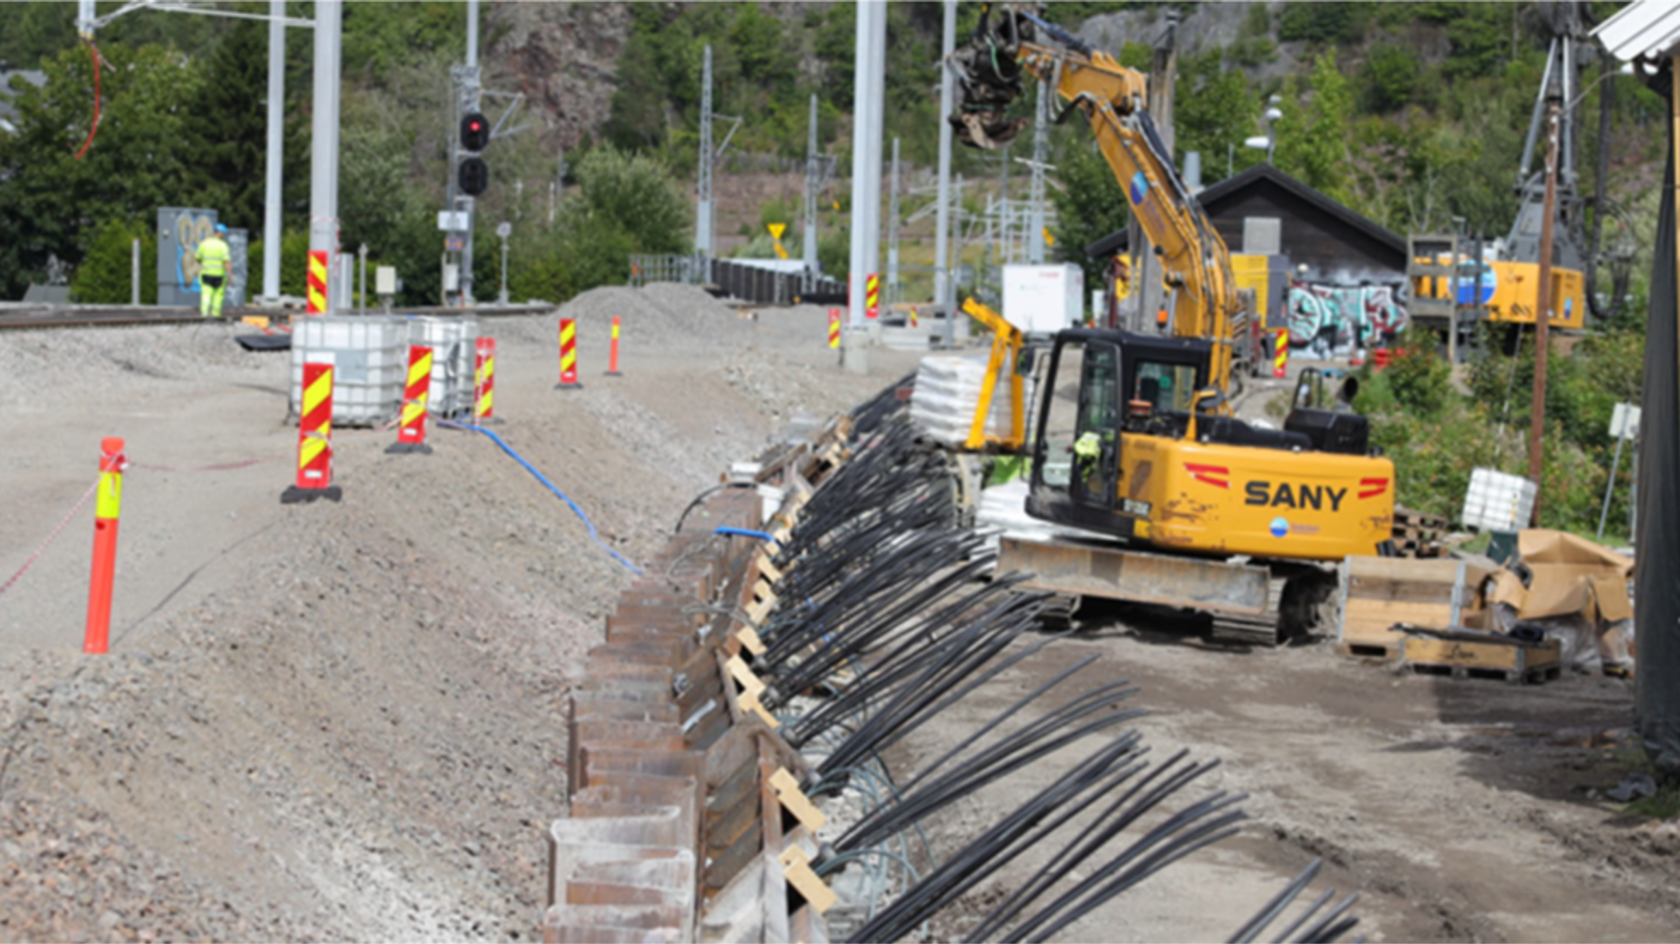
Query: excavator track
x=1263 y=629
x=1298 y=603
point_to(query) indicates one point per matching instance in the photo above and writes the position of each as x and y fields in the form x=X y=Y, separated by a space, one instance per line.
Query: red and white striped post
x=612 y=352
x=568 y=355
x=484 y=382
x=314 y=475
x=107 y=505
x=411 y=434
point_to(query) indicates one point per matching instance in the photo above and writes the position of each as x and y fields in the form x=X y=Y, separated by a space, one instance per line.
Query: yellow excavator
x=1133 y=438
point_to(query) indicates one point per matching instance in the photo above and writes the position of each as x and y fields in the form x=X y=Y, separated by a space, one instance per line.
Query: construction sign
x=317 y=286
x=776 y=231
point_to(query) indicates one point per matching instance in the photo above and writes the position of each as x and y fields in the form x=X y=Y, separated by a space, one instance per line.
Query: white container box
x=1497 y=501
x=453 y=342
x=1043 y=299
x=370 y=364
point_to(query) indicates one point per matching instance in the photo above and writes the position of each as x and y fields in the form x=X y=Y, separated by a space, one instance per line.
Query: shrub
x=105 y=275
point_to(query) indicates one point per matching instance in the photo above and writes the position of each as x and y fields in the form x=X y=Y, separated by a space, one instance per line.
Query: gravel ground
x=344 y=722
x=338 y=721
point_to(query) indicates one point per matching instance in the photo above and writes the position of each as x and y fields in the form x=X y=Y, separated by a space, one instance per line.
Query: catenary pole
x=323 y=158
x=942 y=237
x=276 y=143
x=472 y=105
x=813 y=179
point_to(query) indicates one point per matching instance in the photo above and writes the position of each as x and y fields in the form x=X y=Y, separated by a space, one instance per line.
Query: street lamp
x=1267 y=142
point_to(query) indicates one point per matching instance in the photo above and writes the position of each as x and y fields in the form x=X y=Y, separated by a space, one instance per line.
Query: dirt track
x=343 y=722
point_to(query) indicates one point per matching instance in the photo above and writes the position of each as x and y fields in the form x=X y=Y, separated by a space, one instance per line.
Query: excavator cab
x=1132 y=441
x=1098 y=384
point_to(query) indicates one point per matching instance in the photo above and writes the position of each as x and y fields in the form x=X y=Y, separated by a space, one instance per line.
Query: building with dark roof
x=1264 y=211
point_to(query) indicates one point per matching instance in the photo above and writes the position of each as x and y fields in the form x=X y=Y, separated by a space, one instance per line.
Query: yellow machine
x=1133 y=438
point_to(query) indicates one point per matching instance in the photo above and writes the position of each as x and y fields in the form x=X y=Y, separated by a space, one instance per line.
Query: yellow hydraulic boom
x=1006 y=351
x=1196 y=263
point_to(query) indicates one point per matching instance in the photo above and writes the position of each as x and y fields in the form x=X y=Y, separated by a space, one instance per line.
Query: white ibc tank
x=453 y=341
x=370 y=363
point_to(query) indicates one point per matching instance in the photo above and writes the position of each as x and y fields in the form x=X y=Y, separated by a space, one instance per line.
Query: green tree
x=1312 y=142
x=634 y=194
x=228 y=129
x=1324 y=22
x=1214 y=110
x=51 y=202
x=106 y=275
x=1390 y=77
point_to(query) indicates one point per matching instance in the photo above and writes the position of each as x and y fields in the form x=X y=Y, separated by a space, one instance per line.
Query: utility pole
x=942 y=294
x=1041 y=154
x=276 y=131
x=703 y=214
x=470 y=104
x=323 y=157
x=813 y=180
x=1543 y=314
x=892 y=230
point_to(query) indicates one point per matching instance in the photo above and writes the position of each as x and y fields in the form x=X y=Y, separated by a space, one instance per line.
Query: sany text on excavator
x=1133 y=437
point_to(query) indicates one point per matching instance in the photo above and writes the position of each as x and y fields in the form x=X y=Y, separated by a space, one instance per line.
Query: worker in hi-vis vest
x=212 y=256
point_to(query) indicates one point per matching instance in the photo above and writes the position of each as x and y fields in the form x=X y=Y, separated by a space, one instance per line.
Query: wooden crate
x=1379 y=592
x=1463 y=655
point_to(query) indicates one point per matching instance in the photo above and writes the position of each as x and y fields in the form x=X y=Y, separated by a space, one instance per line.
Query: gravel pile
x=119 y=360
x=652 y=315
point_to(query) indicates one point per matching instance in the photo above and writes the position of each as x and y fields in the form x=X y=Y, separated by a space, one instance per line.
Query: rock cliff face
x=1207 y=26
x=564 y=57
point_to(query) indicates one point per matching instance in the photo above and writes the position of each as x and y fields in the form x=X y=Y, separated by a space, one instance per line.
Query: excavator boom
x=1110 y=96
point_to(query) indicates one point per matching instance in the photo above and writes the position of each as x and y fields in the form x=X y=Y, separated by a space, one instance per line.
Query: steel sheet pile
x=752 y=684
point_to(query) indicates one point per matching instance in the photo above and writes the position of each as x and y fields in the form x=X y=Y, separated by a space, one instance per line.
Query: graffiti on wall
x=1335 y=319
x=180 y=230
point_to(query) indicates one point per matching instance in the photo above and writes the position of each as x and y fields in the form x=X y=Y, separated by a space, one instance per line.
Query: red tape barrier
x=51 y=537
x=217 y=467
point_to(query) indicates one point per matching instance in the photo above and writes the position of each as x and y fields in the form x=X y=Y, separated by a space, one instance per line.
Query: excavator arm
x=1195 y=262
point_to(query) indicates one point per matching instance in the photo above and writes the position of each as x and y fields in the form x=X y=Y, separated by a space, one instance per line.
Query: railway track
x=15 y=317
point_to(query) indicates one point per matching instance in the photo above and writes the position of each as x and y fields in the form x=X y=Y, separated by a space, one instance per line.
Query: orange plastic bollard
x=612 y=353
x=107 y=505
x=1280 y=354
x=872 y=296
x=834 y=328
x=484 y=382
x=411 y=434
x=314 y=476
x=568 y=355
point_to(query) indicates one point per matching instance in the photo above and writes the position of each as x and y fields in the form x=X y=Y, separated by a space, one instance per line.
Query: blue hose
x=551 y=487
x=745 y=533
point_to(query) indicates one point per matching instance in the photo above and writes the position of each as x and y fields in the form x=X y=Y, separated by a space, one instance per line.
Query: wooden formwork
x=686 y=821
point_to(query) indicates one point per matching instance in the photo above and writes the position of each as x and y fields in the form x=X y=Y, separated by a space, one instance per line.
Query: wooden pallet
x=1462 y=655
x=1417 y=534
x=1376 y=593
